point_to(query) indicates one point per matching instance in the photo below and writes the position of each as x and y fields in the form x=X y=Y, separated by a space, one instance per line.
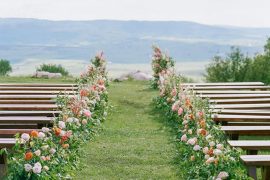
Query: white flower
x=62 y=133
x=184 y=138
x=27 y=167
x=192 y=141
x=62 y=124
x=232 y=159
x=41 y=135
x=46 y=168
x=206 y=156
x=189 y=131
x=196 y=148
x=205 y=150
x=25 y=136
x=210 y=160
x=70 y=120
x=223 y=175
x=45 y=129
x=37 y=168
x=217 y=152
x=37 y=152
x=184 y=122
x=52 y=150
x=220 y=146
x=212 y=143
x=76 y=120
x=45 y=147
x=208 y=137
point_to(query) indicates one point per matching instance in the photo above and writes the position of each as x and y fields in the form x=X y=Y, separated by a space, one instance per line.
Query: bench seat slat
x=256 y=160
x=251 y=144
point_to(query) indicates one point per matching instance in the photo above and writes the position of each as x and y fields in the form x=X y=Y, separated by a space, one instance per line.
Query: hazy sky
x=255 y=13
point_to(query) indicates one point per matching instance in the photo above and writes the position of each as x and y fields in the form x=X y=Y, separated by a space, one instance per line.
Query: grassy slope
x=134 y=143
x=27 y=79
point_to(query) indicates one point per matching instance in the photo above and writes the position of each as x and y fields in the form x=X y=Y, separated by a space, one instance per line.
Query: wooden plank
x=26 y=119
x=208 y=88
x=241 y=118
x=256 y=160
x=11 y=132
x=27 y=101
x=30 y=97
x=30 y=113
x=231 y=92
x=7 y=88
x=37 y=85
x=241 y=101
x=241 y=106
x=21 y=126
x=225 y=84
x=233 y=96
x=247 y=130
x=251 y=144
x=7 y=142
x=36 y=92
x=19 y=107
x=242 y=112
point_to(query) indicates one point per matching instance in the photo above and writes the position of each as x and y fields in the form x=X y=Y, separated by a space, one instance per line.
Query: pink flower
x=180 y=111
x=175 y=106
x=184 y=138
x=205 y=150
x=192 y=141
x=210 y=160
x=196 y=148
x=84 y=121
x=223 y=175
x=220 y=146
x=87 y=113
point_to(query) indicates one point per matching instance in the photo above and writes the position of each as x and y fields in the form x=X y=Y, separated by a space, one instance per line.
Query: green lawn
x=134 y=143
x=28 y=79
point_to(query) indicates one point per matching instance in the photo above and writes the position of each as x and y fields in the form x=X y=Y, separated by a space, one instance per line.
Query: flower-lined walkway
x=134 y=143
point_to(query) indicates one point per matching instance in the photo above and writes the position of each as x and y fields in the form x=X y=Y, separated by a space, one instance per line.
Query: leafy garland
x=204 y=151
x=53 y=152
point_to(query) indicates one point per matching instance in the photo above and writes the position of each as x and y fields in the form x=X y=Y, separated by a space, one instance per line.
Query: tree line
x=237 y=67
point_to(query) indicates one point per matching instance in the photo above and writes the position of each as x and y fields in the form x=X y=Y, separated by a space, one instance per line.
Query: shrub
x=5 y=67
x=237 y=67
x=53 y=68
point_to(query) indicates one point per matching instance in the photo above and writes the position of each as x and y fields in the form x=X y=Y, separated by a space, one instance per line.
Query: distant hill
x=123 y=41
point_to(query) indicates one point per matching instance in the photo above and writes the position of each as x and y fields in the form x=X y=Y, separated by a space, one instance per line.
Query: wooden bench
x=225 y=84
x=235 y=131
x=233 y=96
x=241 y=101
x=253 y=161
x=231 y=92
x=209 y=88
x=7 y=88
x=32 y=107
x=242 y=112
x=36 y=92
x=36 y=85
x=30 y=97
x=27 y=101
x=30 y=113
x=265 y=106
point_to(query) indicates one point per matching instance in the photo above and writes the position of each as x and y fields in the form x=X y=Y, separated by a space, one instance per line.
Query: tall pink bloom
x=87 y=113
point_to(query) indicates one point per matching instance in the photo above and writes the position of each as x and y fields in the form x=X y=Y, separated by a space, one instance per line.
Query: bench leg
x=252 y=172
x=3 y=166
x=266 y=173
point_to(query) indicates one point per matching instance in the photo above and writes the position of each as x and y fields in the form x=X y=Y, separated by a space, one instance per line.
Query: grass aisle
x=134 y=144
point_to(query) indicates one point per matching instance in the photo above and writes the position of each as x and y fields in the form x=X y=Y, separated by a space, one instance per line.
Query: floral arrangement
x=203 y=147
x=53 y=151
x=161 y=63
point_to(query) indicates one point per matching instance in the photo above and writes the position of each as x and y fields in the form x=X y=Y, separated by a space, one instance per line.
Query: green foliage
x=53 y=68
x=237 y=67
x=5 y=67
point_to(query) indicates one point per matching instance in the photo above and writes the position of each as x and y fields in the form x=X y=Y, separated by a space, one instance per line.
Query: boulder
x=44 y=74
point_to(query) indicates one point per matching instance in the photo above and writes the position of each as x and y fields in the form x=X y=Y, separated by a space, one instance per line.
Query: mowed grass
x=134 y=143
x=28 y=79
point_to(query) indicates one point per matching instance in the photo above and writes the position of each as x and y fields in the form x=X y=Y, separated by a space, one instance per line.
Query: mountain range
x=125 y=42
